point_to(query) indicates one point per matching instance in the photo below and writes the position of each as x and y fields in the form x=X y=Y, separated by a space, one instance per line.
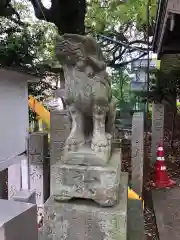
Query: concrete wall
x=13 y=118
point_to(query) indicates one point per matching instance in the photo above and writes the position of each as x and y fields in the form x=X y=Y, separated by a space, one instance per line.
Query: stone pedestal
x=15 y=214
x=157 y=128
x=89 y=170
x=83 y=219
x=60 y=129
x=137 y=152
x=100 y=183
x=39 y=166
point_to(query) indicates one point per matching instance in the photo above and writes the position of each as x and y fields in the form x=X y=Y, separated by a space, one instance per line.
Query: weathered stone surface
x=38 y=143
x=137 y=152
x=85 y=220
x=39 y=169
x=36 y=159
x=39 y=182
x=157 y=128
x=60 y=135
x=86 y=156
x=87 y=94
x=100 y=183
x=26 y=196
x=15 y=214
x=41 y=236
x=56 y=151
x=60 y=120
x=60 y=129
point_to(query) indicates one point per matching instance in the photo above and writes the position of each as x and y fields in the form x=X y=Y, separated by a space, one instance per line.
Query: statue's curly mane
x=66 y=49
x=80 y=48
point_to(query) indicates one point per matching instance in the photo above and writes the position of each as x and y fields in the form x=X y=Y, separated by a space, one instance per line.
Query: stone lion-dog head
x=81 y=52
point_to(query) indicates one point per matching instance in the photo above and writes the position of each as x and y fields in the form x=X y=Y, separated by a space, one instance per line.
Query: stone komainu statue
x=87 y=91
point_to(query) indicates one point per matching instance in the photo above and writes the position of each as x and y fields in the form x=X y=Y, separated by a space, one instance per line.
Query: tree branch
x=124 y=44
x=41 y=12
x=119 y=65
x=7 y=11
x=68 y=16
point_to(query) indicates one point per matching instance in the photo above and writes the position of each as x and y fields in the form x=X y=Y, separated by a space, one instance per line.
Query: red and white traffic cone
x=161 y=178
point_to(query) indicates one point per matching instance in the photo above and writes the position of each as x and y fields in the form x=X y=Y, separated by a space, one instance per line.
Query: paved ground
x=167 y=212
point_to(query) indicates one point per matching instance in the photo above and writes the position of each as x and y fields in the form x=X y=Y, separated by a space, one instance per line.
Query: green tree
x=108 y=15
x=121 y=28
x=121 y=90
x=120 y=87
x=26 y=47
x=68 y=16
x=125 y=23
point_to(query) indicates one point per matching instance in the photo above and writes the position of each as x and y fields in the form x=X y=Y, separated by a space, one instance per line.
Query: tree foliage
x=114 y=13
x=68 y=16
x=121 y=90
x=163 y=87
x=120 y=87
x=121 y=28
x=125 y=24
x=26 y=47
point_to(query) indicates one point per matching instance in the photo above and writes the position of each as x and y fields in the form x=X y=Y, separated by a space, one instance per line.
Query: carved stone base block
x=86 y=156
x=16 y=214
x=82 y=219
x=99 y=183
